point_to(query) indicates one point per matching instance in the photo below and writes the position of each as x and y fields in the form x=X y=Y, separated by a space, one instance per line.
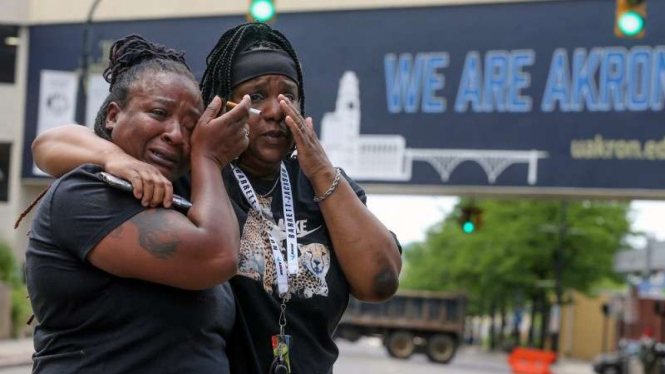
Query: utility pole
x=558 y=273
x=84 y=63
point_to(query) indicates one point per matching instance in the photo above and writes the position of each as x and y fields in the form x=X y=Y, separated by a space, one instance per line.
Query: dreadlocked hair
x=216 y=79
x=29 y=208
x=129 y=58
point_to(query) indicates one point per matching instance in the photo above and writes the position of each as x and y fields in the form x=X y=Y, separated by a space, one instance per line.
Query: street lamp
x=85 y=57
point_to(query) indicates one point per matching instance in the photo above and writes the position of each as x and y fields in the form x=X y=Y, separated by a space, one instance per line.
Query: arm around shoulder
x=62 y=149
x=195 y=251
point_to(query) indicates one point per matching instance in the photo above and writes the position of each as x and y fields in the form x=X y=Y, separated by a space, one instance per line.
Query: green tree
x=513 y=252
x=10 y=275
x=8 y=268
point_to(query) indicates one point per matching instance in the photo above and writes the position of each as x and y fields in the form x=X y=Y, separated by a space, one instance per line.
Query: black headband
x=255 y=63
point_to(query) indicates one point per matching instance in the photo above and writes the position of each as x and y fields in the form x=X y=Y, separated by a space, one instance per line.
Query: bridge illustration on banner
x=386 y=158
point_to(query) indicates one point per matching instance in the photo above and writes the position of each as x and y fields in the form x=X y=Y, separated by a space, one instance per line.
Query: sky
x=409 y=217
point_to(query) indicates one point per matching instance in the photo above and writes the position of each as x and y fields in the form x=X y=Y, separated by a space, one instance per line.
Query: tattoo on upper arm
x=155 y=234
x=117 y=232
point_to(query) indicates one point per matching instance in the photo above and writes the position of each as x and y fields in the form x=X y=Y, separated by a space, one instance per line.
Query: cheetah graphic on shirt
x=256 y=259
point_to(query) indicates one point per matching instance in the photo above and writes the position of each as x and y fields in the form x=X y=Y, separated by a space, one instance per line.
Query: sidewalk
x=572 y=366
x=500 y=360
x=16 y=352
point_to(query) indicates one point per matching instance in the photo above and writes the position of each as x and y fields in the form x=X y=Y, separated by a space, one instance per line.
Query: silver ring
x=246 y=131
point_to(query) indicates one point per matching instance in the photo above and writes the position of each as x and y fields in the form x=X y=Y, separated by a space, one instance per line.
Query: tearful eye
x=188 y=128
x=292 y=97
x=255 y=97
x=158 y=112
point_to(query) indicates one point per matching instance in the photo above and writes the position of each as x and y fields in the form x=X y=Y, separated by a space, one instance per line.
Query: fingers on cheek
x=288 y=109
x=292 y=122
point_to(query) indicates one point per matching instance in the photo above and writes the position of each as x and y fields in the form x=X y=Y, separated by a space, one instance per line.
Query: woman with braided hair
x=307 y=239
x=118 y=287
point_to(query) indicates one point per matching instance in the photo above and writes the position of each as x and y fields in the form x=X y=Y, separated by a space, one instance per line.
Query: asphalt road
x=368 y=356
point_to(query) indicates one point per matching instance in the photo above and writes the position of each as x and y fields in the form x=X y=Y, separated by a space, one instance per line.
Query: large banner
x=535 y=98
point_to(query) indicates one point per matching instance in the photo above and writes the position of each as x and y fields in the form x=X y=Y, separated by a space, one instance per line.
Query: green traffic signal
x=630 y=23
x=470 y=219
x=262 y=10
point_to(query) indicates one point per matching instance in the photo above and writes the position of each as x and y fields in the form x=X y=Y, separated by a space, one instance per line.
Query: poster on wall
x=57 y=102
x=98 y=90
x=5 y=153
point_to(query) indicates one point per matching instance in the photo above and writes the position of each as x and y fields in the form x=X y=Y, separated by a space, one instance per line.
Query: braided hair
x=129 y=58
x=216 y=79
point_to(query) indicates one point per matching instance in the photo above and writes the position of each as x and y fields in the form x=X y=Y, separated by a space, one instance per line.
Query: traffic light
x=470 y=219
x=261 y=11
x=630 y=19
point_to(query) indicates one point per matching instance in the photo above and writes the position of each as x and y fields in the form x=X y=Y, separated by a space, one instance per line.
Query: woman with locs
x=307 y=239
x=118 y=287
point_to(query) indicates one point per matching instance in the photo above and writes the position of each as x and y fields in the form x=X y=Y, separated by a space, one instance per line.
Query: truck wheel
x=611 y=370
x=400 y=344
x=349 y=333
x=441 y=348
x=353 y=336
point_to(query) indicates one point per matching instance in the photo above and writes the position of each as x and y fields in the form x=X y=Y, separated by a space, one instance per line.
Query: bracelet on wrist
x=331 y=189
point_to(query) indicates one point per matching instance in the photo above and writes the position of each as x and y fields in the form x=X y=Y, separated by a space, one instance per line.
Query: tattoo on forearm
x=155 y=235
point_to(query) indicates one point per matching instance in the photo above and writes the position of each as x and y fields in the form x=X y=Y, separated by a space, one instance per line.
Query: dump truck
x=410 y=322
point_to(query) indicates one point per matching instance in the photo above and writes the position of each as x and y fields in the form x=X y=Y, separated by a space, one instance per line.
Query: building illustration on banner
x=386 y=157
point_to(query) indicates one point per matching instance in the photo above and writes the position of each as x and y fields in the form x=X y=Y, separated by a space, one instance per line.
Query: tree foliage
x=514 y=251
x=8 y=267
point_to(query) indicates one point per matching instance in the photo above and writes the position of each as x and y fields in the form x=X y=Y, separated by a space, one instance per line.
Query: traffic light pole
x=558 y=273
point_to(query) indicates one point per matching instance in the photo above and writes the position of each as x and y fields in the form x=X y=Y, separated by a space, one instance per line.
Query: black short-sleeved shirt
x=319 y=293
x=93 y=322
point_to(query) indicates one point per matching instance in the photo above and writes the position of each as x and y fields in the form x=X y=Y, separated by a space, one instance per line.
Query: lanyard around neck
x=289 y=223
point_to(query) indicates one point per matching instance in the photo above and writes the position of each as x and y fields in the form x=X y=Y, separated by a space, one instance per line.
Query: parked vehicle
x=610 y=363
x=412 y=321
x=643 y=356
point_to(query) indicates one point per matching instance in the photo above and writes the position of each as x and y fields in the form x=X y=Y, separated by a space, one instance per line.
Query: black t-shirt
x=91 y=321
x=320 y=291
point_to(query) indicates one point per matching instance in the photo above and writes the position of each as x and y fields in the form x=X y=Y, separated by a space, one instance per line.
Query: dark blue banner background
x=331 y=43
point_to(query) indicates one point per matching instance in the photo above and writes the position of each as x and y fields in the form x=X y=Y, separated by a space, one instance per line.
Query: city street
x=367 y=356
